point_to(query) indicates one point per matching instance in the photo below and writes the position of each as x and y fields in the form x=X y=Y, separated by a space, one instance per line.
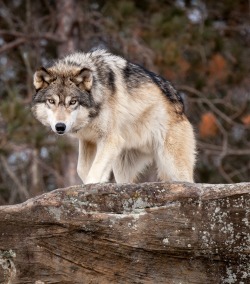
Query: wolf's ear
x=42 y=78
x=84 y=77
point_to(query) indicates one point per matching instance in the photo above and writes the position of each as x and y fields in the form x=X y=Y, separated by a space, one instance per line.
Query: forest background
x=202 y=47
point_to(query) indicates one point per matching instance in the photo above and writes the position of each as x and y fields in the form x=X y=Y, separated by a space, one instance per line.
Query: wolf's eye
x=51 y=101
x=72 y=102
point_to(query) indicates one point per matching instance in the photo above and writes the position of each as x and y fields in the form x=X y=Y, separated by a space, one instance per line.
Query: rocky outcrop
x=131 y=233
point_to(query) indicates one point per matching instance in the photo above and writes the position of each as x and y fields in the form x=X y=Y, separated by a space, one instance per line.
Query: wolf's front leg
x=86 y=157
x=106 y=152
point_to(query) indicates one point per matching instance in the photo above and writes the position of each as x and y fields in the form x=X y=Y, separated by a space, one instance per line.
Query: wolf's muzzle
x=60 y=127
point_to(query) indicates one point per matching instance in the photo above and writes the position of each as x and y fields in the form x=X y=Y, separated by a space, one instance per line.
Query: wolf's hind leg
x=129 y=165
x=171 y=170
x=175 y=159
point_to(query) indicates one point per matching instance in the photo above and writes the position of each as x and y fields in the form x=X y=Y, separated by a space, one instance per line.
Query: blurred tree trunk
x=67 y=30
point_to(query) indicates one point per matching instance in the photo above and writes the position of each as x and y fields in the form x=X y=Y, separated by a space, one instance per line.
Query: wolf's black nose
x=60 y=127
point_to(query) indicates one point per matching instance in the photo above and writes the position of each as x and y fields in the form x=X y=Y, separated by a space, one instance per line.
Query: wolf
x=124 y=116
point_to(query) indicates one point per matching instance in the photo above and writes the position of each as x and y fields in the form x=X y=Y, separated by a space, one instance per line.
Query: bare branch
x=47 y=36
x=21 y=189
x=239 y=152
x=12 y=44
x=208 y=102
x=238 y=172
x=224 y=174
x=215 y=149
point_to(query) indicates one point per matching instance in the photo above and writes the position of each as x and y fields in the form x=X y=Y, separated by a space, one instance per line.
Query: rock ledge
x=130 y=233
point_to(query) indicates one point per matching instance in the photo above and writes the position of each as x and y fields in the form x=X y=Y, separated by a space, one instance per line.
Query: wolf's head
x=64 y=99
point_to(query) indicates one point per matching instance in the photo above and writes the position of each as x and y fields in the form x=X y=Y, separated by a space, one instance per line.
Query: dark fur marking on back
x=167 y=89
x=111 y=80
x=104 y=74
x=135 y=75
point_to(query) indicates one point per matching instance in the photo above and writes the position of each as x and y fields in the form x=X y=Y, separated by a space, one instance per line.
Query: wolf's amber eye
x=72 y=102
x=51 y=101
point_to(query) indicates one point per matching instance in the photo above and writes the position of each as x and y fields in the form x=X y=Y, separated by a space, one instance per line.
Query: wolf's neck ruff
x=124 y=116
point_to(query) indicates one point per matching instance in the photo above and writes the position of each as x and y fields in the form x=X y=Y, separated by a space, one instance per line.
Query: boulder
x=129 y=233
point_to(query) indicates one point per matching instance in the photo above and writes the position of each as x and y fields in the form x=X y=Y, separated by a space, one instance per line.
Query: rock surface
x=130 y=233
